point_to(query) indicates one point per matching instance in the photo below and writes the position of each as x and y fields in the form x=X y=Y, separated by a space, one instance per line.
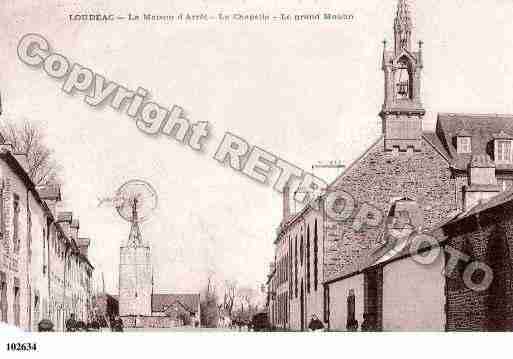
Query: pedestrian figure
x=71 y=323
x=117 y=324
x=352 y=322
x=93 y=325
x=81 y=326
x=315 y=324
x=45 y=325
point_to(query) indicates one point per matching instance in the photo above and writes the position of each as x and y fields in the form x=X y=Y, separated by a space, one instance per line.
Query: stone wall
x=487 y=238
x=377 y=178
x=148 y=322
x=135 y=281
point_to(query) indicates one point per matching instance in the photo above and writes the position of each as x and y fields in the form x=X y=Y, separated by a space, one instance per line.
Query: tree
x=209 y=309
x=28 y=137
x=247 y=298
x=230 y=294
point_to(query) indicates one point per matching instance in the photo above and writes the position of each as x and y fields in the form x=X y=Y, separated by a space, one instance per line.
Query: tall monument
x=135 y=267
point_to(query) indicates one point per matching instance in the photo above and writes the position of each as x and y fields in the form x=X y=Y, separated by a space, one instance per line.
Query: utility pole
x=103 y=284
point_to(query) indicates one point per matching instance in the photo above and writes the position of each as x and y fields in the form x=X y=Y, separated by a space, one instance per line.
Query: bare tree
x=209 y=306
x=28 y=137
x=248 y=298
x=230 y=294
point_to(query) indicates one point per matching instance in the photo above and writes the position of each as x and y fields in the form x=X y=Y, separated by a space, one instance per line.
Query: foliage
x=208 y=306
x=28 y=137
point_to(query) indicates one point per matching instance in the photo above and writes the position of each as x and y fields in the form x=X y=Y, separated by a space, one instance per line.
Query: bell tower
x=402 y=111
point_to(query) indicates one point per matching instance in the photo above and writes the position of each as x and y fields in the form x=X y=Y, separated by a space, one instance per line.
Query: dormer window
x=503 y=152
x=464 y=144
x=503 y=147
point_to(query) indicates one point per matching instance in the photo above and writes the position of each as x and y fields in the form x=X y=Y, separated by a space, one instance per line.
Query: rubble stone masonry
x=488 y=238
x=379 y=177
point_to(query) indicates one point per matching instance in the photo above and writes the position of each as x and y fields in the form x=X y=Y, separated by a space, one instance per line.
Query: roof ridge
x=476 y=115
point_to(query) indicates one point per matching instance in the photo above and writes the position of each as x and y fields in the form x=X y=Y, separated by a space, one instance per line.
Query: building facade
x=412 y=180
x=43 y=273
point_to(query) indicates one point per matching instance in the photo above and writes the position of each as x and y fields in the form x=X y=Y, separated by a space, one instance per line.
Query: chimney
x=482 y=182
x=83 y=245
x=286 y=202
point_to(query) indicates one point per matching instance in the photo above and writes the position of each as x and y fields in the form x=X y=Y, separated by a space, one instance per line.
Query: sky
x=305 y=92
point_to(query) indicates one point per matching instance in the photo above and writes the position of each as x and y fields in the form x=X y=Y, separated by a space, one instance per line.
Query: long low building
x=45 y=272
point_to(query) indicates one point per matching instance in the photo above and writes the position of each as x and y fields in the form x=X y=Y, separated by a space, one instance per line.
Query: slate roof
x=160 y=302
x=435 y=141
x=481 y=128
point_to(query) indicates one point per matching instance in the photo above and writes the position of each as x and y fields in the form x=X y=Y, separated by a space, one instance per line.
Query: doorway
x=302 y=300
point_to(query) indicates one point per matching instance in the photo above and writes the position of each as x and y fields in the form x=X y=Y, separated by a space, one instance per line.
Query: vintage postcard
x=244 y=166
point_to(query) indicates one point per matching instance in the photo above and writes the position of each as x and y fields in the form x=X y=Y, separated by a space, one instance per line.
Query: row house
x=296 y=292
x=415 y=181
x=44 y=270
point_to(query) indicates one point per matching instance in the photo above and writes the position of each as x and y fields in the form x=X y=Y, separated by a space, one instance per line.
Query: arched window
x=316 y=249
x=308 y=259
x=290 y=264
x=301 y=250
x=295 y=266
x=403 y=79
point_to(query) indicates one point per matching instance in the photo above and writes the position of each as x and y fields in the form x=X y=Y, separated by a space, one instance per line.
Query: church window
x=301 y=250
x=308 y=260
x=316 y=260
x=295 y=268
x=290 y=267
x=326 y=303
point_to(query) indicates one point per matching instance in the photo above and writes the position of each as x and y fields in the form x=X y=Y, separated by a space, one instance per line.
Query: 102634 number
x=21 y=347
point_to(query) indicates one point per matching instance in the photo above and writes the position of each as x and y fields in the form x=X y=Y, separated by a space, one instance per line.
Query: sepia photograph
x=251 y=171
